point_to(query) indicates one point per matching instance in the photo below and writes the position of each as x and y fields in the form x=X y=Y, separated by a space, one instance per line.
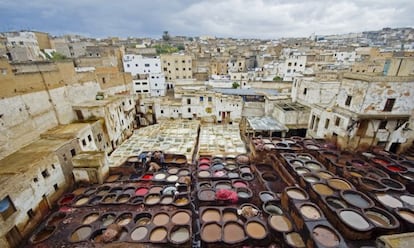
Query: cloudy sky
x=225 y=18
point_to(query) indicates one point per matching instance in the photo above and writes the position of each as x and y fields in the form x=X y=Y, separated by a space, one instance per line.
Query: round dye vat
x=322 y=189
x=158 y=234
x=313 y=166
x=372 y=184
x=180 y=235
x=266 y=196
x=390 y=201
x=380 y=161
x=325 y=236
x=67 y=199
x=268 y=176
x=181 y=218
x=109 y=198
x=204 y=167
x=239 y=184
x=294 y=240
x=310 y=212
x=357 y=199
x=122 y=198
x=206 y=195
x=181 y=201
x=230 y=167
x=56 y=218
x=79 y=191
x=223 y=185
x=408 y=199
x=161 y=219
x=160 y=176
x=81 y=201
x=304 y=157
x=129 y=191
x=245 y=169
x=147 y=176
x=339 y=184
x=301 y=171
x=169 y=190
x=233 y=232
x=242 y=159
x=406 y=214
x=218 y=166
x=142 y=219
x=139 y=233
x=211 y=232
x=152 y=199
x=354 y=220
x=324 y=175
x=296 y=194
x=211 y=215
x=393 y=184
x=155 y=190
x=172 y=178
x=380 y=218
x=173 y=170
x=124 y=219
x=296 y=163
x=81 y=234
x=355 y=173
x=141 y=191
x=113 y=178
x=166 y=200
x=233 y=175
x=336 y=203
x=203 y=160
x=90 y=218
x=244 y=193
x=204 y=174
x=256 y=230
x=312 y=147
x=272 y=208
x=116 y=190
x=311 y=179
x=280 y=223
x=183 y=172
x=43 y=234
x=219 y=173
x=108 y=219
x=229 y=215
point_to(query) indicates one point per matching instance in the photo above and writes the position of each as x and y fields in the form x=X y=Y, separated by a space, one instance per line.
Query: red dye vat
x=204 y=160
x=65 y=209
x=204 y=166
x=380 y=161
x=141 y=191
x=147 y=176
x=66 y=200
x=394 y=168
x=239 y=184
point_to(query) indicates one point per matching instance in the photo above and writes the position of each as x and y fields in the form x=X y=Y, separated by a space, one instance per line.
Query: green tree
x=58 y=56
x=235 y=85
x=277 y=78
x=166 y=36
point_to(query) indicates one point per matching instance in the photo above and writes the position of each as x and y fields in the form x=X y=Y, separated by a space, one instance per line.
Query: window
x=201 y=99
x=176 y=69
x=312 y=122
x=136 y=65
x=128 y=65
x=83 y=142
x=147 y=65
x=337 y=121
x=56 y=187
x=103 y=80
x=45 y=173
x=348 y=100
x=327 y=123
x=6 y=207
x=89 y=138
x=389 y=104
x=144 y=83
x=137 y=83
x=188 y=101
x=35 y=180
x=99 y=137
x=289 y=64
x=305 y=90
x=210 y=99
x=73 y=152
x=30 y=213
x=53 y=166
x=382 y=125
x=189 y=110
x=162 y=111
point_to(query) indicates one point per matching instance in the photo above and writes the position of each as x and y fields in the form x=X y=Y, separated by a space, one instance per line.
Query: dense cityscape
x=203 y=141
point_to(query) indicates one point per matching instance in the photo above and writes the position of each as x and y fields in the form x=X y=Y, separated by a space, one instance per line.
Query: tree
x=277 y=78
x=235 y=85
x=166 y=36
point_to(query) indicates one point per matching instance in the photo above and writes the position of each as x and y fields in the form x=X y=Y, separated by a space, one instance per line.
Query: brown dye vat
x=297 y=194
x=81 y=201
x=388 y=200
x=325 y=236
x=183 y=172
x=90 y=218
x=392 y=184
x=242 y=159
x=180 y=218
x=322 y=189
x=152 y=199
x=43 y=234
x=181 y=201
x=79 y=191
x=122 y=198
x=381 y=218
x=161 y=219
x=112 y=178
x=56 y=218
x=354 y=220
x=230 y=167
x=256 y=230
x=229 y=215
x=103 y=190
x=166 y=199
x=406 y=214
x=310 y=212
x=98 y=235
x=324 y=175
x=81 y=234
x=409 y=199
x=294 y=240
x=339 y=184
x=109 y=198
x=211 y=232
x=233 y=232
x=158 y=234
x=280 y=223
x=139 y=233
x=143 y=219
x=155 y=190
x=108 y=219
x=124 y=219
x=180 y=235
x=357 y=199
x=210 y=215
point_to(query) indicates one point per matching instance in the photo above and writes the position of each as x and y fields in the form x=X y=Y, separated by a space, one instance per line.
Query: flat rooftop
x=266 y=123
x=247 y=92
